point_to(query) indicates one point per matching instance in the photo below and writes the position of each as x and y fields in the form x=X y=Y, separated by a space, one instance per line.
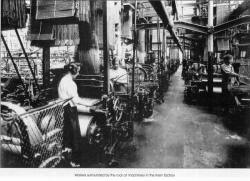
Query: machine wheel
x=95 y=134
x=118 y=110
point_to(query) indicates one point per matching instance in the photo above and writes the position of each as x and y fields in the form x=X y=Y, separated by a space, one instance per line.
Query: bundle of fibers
x=13 y=14
x=57 y=30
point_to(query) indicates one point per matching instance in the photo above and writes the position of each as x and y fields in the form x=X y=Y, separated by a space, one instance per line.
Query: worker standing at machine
x=228 y=80
x=118 y=76
x=228 y=74
x=67 y=89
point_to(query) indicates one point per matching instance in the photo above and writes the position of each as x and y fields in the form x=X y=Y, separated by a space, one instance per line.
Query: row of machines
x=196 y=85
x=37 y=132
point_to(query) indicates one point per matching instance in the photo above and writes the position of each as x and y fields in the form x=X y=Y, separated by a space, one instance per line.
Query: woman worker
x=118 y=76
x=67 y=89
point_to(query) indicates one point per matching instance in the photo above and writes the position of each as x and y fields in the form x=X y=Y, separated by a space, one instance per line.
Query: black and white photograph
x=125 y=84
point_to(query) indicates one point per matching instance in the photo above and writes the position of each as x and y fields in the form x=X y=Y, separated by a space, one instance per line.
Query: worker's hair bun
x=73 y=68
x=115 y=59
x=227 y=57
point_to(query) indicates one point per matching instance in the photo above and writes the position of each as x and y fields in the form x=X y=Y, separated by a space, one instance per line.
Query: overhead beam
x=232 y=23
x=190 y=38
x=193 y=3
x=191 y=26
x=148 y=26
x=161 y=11
x=199 y=28
x=177 y=24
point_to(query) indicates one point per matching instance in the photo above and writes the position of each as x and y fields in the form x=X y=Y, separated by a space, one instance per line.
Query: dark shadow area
x=9 y=160
x=91 y=157
x=127 y=152
x=238 y=156
x=238 y=123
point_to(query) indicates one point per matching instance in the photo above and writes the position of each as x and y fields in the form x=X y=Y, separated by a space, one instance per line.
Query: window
x=243 y=53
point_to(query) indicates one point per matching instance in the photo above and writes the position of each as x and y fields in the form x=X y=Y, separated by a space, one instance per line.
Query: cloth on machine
x=55 y=23
x=119 y=75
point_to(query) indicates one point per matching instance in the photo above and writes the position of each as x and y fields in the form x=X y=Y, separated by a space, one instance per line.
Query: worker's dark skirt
x=71 y=131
